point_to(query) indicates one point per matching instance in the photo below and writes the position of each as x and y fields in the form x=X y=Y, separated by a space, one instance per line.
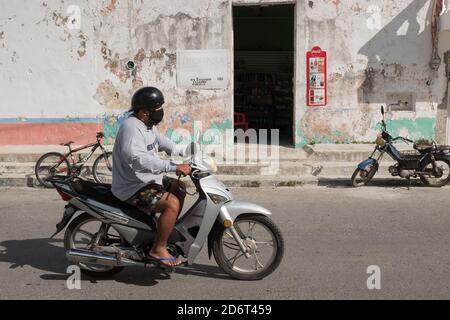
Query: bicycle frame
x=80 y=163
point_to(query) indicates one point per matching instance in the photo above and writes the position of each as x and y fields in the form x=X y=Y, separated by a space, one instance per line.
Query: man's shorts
x=147 y=197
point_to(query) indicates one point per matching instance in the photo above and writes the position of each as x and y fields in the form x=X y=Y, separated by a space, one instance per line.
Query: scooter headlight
x=211 y=164
x=380 y=141
x=217 y=198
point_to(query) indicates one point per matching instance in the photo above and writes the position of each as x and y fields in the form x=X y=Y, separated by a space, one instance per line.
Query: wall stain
x=114 y=63
x=368 y=85
x=59 y=19
x=336 y=3
x=110 y=8
x=179 y=31
x=112 y=97
x=167 y=59
x=117 y=65
x=82 y=49
x=357 y=8
x=2 y=37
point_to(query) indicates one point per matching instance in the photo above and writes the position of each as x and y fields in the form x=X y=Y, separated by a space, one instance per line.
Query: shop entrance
x=264 y=68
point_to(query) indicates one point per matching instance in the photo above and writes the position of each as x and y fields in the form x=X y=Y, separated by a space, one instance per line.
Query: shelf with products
x=265 y=97
x=283 y=103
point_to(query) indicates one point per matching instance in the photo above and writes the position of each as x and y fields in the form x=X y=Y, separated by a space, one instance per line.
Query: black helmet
x=149 y=98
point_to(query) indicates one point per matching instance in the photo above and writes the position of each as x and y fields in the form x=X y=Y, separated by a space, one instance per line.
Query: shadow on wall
x=402 y=43
x=398 y=56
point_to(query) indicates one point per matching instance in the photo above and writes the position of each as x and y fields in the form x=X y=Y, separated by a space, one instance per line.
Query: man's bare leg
x=169 y=205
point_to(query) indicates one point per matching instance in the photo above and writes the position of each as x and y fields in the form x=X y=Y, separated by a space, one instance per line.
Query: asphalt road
x=332 y=235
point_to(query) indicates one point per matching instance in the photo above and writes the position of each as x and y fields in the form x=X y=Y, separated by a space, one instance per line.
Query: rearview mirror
x=197 y=136
x=192 y=149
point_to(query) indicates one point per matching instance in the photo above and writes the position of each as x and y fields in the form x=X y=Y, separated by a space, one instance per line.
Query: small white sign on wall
x=203 y=69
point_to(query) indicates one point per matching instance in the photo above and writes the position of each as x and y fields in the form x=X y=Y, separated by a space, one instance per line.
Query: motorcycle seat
x=102 y=193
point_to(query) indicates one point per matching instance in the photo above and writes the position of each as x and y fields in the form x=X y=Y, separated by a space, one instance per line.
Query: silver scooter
x=109 y=234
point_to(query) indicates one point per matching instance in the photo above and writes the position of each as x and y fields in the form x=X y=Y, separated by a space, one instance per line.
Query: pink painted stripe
x=47 y=133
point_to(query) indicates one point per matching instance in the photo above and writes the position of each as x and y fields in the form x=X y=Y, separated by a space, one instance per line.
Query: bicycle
x=55 y=163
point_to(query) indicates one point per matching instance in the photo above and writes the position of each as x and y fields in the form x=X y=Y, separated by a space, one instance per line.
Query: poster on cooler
x=316 y=72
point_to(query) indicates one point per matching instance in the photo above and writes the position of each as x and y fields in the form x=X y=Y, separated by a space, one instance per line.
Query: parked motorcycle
x=109 y=234
x=429 y=162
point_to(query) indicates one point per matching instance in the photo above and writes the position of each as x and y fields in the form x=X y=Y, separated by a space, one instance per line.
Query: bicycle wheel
x=49 y=165
x=102 y=168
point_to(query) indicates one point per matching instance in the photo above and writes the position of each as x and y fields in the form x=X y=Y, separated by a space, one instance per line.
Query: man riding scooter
x=137 y=176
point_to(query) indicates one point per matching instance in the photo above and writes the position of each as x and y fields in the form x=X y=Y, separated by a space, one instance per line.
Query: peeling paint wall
x=48 y=70
x=375 y=48
x=442 y=116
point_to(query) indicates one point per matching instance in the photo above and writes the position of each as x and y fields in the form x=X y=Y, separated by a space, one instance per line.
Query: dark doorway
x=264 y=68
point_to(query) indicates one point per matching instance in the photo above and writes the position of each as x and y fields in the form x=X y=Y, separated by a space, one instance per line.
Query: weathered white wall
x=374 y=47
x=50 y=70
x=442 y=116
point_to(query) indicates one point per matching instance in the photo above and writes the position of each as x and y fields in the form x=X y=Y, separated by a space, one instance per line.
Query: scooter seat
x=102 y=193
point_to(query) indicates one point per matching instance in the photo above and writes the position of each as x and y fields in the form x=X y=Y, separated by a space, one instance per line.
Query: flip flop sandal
x=160 y=262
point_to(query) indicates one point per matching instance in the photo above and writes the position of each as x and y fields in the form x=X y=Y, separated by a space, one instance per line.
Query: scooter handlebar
x=402 y=138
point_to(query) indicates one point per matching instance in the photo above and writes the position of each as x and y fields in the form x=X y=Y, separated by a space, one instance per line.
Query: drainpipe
x=438 y=6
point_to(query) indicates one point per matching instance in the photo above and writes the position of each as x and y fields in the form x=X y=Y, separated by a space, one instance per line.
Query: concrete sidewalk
x=294 y=166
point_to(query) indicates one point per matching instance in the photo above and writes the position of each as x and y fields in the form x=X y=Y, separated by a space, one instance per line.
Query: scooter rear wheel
x=71 y=242
x=444 y=166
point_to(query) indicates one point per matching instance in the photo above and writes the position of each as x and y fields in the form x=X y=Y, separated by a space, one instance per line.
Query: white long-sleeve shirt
x=136 y=162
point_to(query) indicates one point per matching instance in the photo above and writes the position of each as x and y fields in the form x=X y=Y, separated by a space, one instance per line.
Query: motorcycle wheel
x=251 y=268
x=444 y=165
x=363 y=175
x=70 y=242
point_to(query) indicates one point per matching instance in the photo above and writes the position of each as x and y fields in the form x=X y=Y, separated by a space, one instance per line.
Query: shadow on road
x=40 y=254
x=46 y=255
x=389 y=183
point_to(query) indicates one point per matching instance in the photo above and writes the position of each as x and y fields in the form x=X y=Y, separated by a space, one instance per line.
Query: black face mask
x=157 y=116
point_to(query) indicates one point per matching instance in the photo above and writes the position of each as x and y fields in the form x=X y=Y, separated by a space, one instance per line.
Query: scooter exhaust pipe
x=89 y=257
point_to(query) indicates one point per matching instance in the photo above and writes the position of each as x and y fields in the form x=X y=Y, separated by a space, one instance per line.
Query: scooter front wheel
x=362 y=177
x=263 y=240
